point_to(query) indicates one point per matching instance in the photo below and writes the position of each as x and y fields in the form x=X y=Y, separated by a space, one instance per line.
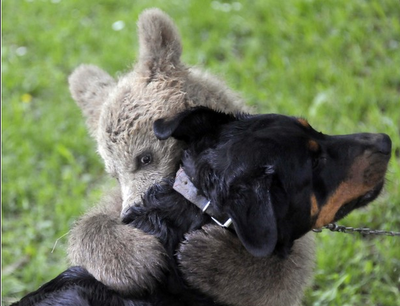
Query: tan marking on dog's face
x=314 y=206
x=355 y=186
x=313 y=146
x=344 y=194
x=303 y=122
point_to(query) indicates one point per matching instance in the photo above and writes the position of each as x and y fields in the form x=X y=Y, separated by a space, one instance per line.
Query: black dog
x=273 y=176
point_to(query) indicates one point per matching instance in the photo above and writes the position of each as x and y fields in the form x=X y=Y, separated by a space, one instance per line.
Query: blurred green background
x=334 y=62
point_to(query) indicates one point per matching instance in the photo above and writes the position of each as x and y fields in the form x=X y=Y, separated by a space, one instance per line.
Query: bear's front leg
x=122 y=257
x=214 y=261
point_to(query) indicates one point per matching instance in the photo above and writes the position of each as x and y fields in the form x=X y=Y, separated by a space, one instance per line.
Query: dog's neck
x=185 y=187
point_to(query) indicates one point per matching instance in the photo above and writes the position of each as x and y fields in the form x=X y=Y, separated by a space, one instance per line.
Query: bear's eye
x=145 y=159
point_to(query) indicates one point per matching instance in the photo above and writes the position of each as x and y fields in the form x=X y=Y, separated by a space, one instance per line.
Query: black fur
x=274 y=175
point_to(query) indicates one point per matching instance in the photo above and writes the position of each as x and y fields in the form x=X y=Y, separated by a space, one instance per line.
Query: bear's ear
x=89 y=87
x=160 y=43
x=191 y=124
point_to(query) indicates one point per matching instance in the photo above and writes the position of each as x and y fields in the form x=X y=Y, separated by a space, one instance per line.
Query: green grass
x=335 y=62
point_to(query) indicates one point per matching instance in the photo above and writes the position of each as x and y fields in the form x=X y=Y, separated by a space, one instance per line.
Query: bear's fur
x=232 y=276
x=119 y=117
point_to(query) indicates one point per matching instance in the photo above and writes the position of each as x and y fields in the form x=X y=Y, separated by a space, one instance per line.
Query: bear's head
x=120 y=113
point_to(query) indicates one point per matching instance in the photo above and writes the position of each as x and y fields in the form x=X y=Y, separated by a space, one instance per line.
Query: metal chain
x=333 y=227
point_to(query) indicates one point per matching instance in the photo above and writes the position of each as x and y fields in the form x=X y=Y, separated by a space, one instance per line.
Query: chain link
x=333 y=227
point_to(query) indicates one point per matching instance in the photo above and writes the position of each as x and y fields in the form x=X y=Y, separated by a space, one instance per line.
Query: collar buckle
x=185 y=187
x=226 y=224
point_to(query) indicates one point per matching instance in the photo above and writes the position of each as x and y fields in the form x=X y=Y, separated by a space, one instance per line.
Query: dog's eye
x=145 y=159
x=318 y=161
x=315 y=162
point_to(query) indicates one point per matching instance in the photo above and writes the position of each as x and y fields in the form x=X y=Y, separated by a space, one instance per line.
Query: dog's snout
x=379 y=143
x=384 y=144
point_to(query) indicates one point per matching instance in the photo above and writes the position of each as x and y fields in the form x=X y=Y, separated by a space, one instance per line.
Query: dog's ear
x=191 y=124
x=254 y=219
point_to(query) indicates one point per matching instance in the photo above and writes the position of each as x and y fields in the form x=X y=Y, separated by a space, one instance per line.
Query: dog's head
x=275 y=176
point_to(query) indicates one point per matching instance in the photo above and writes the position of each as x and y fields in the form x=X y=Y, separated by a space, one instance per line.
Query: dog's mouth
x=361 y=201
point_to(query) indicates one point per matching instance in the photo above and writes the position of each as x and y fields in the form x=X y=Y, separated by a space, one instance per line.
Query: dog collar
x=185 y=187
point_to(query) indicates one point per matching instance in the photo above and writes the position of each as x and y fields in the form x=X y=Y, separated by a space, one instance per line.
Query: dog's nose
x=377 y=142
x=384 y=144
